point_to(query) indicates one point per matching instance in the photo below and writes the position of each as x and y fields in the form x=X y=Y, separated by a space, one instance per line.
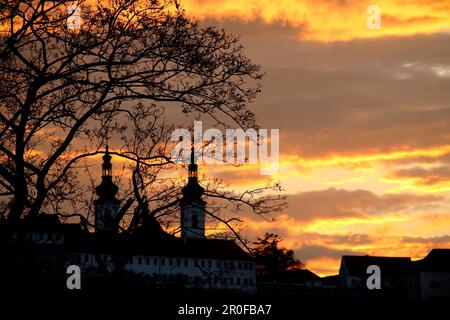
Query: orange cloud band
x=331 y=20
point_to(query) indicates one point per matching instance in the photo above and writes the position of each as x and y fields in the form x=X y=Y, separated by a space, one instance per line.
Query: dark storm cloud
x=422 y=176
x=339 y=203
x=433 y=241
x=349 y=97
x=376 y=94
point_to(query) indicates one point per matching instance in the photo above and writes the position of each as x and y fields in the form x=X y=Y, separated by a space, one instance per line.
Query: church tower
x=107 y=205
x=192 y=205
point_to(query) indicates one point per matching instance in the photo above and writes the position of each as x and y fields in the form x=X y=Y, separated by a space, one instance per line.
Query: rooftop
x=391 y=266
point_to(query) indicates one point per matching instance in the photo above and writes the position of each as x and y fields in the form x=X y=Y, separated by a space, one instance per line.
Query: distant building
x=192 y=205
x=291 y=282
x=424 y=279
x=353 y=270
x=431 y=276
x=161 y=259
x=107 y=205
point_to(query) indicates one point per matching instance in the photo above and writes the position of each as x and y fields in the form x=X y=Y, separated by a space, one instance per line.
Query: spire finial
x=192 y=155
x=193 y=165
x=107 y=165
x=107 y=140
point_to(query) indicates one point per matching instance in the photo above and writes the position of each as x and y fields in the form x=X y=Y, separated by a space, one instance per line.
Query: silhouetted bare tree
x=63 y=90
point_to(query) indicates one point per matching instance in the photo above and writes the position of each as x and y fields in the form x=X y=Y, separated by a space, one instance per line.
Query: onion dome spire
x=192 y=190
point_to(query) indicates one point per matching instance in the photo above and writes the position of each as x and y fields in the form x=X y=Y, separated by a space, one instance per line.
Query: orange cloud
x=436 y=178
x=372 y=170
x=331 y=20
x=292 y=165
x=347 y=160
x=319 y=243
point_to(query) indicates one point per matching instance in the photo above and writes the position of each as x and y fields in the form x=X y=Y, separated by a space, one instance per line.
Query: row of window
x=178 y=262
x=233 y=281
x=140 y=260
x=41 y=236
x=81 y=258
x=212 y=281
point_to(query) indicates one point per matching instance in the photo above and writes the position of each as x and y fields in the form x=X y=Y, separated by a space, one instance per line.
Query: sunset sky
x=364 y=119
